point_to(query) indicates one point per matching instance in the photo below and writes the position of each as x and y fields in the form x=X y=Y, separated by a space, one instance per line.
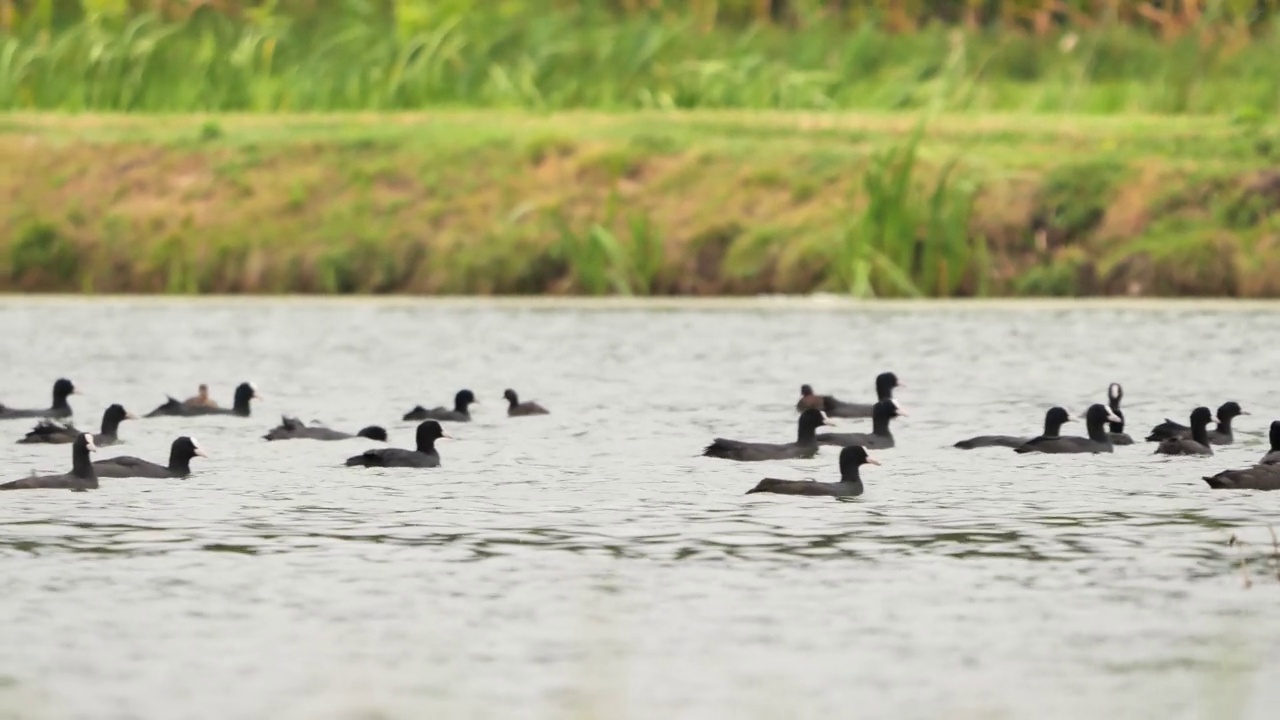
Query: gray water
x=589 y=564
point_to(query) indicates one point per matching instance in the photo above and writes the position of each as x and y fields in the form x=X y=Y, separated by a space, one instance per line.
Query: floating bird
x=1220 y=435
x=459 y=413
x=294 y=429
x=425 y=456
x=515 y=407
x=1099 y=439
x=850 y=485
x=49 y=431
x=181 y=451
x=60 y=408
x=1197 y=444
x=245 y=392
x=81 y=477
x=1054 y=419
x=805 y=446
x=879 y=438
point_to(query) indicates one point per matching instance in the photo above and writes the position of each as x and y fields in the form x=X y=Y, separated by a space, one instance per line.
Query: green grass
x=707 y=202
x=529 y=56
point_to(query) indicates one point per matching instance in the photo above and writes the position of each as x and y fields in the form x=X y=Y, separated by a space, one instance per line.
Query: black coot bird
x=294 y=429
x=1197 y=444
x=515 y=407
x=181 y=451
x=1274 y=455
x=459 y=413
x=60 y=409
x=48 y=431
x=1220 y=435
x=878 y=439
x=1099 y=440
x=245 y=392
x=805 y=446
x=425 y=456
x=1118 y=436
x=1054 y=419
x=82 y=476
x=850 y=485
x=885 y=383
x=1258 y=477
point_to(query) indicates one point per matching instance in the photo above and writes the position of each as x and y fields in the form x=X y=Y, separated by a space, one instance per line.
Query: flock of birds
x=1105 y=426
x=53 y=428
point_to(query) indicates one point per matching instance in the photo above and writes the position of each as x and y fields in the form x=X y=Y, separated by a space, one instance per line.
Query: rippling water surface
x=590 y=564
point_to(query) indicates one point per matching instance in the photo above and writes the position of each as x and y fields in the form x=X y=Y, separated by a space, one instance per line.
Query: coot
x=245 y=392
x=425 y=456
x=1118 y=436
x=805 y=446
x=1197 y=444
x=1099 y=439
x=515 y=407
x=1220 y=435
x=1258 y=477
x=1054 y=419
x=850 y=485
x=49 y=431
x=81 y=477
x=885 y=383
x=459 y=413
x=60 y=409
x=879 y=438
x=181 y=451
x=1274 y=455
x=291 y=428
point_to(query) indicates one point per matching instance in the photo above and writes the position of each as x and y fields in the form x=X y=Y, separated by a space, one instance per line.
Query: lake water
x=589 y=564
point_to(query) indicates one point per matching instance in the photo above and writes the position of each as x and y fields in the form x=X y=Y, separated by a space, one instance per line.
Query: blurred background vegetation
x=1082 y=56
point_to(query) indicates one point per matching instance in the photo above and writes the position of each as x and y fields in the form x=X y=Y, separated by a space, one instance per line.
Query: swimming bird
x=459 y=413
x=515 y=407
x=1274 y=455
x=60 y=409
x=1197 y=444
x=294 y=429
x=1258 y=477
x=1118 y=436
x=1054 y=419
x=809 y=399
x=181 y=451
x=82 y=476
x=885 y=383
x=805 y=446
x=245 y=392
x=48 y=431
x=850 y=485
x=1220 y=435
x=879 y=438
x=202 y=399
x=425 y=456
x=1099 y=440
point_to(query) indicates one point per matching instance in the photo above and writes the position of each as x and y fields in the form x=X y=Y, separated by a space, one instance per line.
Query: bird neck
x=81 y=465
x=1098 y=431
x=880 y=425
x=850 y=475
x=241 y=406
x=179 y=461
x=427 y=446
x=1200 y=433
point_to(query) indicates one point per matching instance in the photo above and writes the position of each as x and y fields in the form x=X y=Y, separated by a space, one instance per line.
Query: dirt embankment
x=493 y=203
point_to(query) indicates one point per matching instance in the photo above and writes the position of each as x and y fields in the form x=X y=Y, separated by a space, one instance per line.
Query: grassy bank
x=646 y=203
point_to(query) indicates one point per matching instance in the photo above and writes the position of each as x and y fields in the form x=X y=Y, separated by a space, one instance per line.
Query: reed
x=542 y=55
